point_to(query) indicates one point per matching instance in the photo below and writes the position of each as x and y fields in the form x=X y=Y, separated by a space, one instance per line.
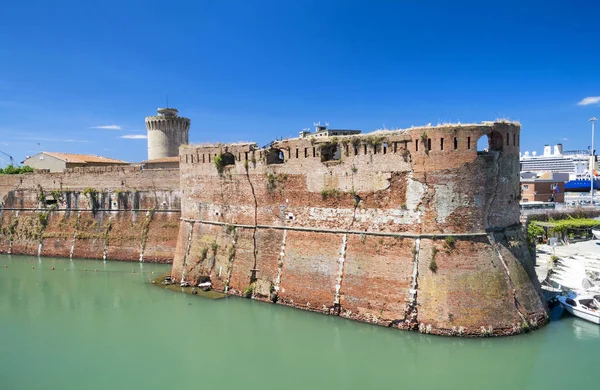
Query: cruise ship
x=577 y=163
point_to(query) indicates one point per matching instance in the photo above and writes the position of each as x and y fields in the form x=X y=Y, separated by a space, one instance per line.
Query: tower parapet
x=166 y=132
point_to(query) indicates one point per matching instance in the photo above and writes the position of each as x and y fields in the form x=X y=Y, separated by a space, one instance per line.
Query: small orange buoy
x=52 y=268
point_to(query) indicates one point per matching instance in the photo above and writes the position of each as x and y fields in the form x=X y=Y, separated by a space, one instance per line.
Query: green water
x=112 y=329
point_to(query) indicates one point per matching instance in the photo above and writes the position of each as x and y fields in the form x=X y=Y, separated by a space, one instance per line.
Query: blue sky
x=256 y=70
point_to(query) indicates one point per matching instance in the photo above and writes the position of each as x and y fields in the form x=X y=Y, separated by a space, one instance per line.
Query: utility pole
x=592 y=164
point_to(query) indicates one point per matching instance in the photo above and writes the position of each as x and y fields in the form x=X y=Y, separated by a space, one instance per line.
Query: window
x=417 y=145
x=455 y=143
x=227 y=159
x=571 y=302
x=468 y=142
x=274 y=156
x=441 y=144
x=525 y=187
x=330 y=152
x=428 y=144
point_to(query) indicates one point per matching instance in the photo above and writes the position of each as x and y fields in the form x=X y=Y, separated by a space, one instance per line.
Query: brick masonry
x=353 y=226
x=116 y=213
x=332 y=224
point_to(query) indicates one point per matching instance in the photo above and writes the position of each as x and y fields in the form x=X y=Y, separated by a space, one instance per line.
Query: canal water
x=94 y=325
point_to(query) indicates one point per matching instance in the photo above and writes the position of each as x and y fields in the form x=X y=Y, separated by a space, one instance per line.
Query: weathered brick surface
x=122 y=233
x=388 y=182
x=377 y=277
x=162 y=237
x=58 y=235
x=255 y=220
x=470 y=288
x=310 y=269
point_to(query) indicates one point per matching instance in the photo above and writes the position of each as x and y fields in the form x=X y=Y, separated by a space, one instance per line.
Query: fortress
x=413 y=229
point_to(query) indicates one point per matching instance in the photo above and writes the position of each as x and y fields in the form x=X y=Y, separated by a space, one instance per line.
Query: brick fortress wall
x=118 y=213
x=411 y=228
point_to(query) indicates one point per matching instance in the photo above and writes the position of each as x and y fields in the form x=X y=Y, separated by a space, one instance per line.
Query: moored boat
x=581 y=185
x=584 y=306
x=596 y=234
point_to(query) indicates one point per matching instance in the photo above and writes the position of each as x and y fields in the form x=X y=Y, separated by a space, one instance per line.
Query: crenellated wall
x=99 y=213
x=411 y=228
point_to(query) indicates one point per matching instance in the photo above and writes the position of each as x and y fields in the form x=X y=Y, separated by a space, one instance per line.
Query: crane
x=12 y=161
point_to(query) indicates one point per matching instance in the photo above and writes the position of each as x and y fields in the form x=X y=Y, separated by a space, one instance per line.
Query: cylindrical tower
x=166 y=131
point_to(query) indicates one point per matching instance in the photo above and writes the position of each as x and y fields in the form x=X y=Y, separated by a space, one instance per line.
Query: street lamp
x=592 y=164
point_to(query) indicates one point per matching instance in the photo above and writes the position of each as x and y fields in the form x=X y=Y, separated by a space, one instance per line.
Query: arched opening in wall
x=227 y=159
x=330 y=152
x=274 y=156
x=493 y=142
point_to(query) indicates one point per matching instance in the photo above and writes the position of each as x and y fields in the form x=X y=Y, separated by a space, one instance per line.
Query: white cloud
x=589 y=100
x=565 y=139
x=107 y=127
x=134 y=136
x=51 y=139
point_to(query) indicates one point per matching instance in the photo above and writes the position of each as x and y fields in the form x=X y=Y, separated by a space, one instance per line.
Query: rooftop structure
x=323 y=131
x=166 y=132
x=162 y=163
x=58 y=162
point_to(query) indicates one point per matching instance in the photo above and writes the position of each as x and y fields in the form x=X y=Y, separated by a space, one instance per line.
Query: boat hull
x=581 y=185
x=593 y=317
x=596 y=234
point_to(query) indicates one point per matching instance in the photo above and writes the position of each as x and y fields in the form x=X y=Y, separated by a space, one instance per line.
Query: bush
x=219 y=163
x=533 y=231
x=433 y=265
x=450 y=242
x=333 y=193
x=248 y=291
x=13 y=170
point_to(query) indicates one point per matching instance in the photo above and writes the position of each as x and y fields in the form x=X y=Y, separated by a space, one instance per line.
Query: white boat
x=596 y=234
x=584 y=306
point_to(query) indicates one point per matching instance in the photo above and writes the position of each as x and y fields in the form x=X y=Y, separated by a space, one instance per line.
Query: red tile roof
x=83 y=158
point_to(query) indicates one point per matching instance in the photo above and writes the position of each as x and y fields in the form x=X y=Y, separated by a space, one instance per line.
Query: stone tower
x=166 y=131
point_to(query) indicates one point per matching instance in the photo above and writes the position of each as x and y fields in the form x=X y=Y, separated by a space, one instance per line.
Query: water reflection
x=115 y=320
x=584 y=330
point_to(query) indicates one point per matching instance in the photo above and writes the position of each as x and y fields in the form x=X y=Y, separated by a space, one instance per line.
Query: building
x=166 y=132
x=162 y=163
x=58 y=162
x=323 y=131
x=548 y=187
